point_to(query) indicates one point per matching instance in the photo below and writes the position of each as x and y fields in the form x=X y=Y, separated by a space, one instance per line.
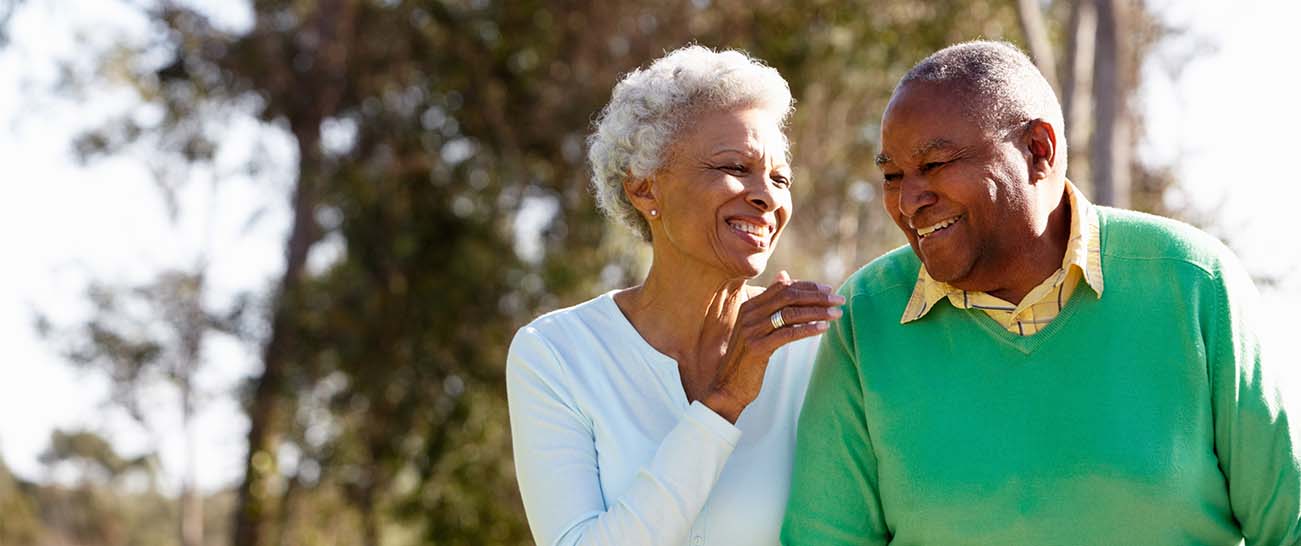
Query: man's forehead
x=944 y=92
x=935 y=106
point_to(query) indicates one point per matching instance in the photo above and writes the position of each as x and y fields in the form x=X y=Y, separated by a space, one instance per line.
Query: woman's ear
x=1042 y=143
x=641 y=193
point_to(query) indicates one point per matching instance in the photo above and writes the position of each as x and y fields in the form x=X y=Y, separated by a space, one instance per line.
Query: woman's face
x=723 y=195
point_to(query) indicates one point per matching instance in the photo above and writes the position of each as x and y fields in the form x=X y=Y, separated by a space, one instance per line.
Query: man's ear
x=1041 y=141
x=641 y=193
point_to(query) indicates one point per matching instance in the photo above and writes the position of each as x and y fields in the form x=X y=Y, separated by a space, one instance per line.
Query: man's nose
x=915 y=194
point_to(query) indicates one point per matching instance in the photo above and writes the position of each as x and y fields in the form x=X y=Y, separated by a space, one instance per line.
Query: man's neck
x=1042 y=257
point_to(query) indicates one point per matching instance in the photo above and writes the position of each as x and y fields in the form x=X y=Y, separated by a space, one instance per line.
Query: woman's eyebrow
x=733 y=149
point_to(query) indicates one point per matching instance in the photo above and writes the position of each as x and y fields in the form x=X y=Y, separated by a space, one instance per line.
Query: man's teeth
x=759 y=231
x=923 y=232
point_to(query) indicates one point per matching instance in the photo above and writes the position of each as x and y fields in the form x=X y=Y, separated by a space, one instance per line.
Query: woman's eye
x=781 y=180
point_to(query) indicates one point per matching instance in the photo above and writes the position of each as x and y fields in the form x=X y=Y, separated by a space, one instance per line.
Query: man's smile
x=923 y=232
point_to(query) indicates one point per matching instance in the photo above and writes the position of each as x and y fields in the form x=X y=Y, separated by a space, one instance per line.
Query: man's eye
x=735 y=168
x=928 y=167
x=781 y=180
x=891 y=180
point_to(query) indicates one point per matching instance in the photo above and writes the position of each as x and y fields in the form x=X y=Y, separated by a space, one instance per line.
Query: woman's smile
x=755 y=233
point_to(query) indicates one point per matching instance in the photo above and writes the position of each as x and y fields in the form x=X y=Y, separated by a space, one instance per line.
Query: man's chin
x=942 y=270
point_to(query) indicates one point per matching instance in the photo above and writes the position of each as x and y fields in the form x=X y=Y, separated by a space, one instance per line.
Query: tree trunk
x=1110 y=154
x=192 y=322
x=191 y=499
x=254 y=511
x=1077 y=86
x=333 y=26
x=1036 y=38
x=370 y=520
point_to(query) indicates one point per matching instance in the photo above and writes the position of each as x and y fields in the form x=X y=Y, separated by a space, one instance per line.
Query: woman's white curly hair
x=650 y=107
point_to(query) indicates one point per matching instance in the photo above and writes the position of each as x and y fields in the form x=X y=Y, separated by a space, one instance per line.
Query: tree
x=1105 y=43
x=140 y=337
x=20 y=524
x=100 y=507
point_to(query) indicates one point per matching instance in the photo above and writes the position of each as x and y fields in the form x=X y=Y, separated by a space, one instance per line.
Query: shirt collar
x=1083 y=250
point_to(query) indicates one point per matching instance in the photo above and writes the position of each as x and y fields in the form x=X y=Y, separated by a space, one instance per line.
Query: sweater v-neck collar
x=1027 y=345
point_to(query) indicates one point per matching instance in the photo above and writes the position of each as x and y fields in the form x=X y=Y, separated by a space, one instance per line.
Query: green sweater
x=1145 y=417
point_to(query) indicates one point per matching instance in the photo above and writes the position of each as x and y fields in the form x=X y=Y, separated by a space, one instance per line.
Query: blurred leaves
x=144 y=334
x=21 y=524
x=96 y=457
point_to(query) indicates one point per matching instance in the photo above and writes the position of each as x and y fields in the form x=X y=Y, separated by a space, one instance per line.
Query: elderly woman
x=664 y=414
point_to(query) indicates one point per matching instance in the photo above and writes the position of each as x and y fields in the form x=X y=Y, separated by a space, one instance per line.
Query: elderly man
x=1031 y=368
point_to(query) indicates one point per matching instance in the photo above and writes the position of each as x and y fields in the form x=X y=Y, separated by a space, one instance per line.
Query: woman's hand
x=805 y=308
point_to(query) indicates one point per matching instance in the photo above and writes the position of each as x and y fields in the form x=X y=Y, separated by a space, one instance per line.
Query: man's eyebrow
x=931 y=146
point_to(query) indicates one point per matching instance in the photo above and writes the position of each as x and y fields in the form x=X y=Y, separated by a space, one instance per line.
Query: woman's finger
x=789 y=297
x=782 y=336
x=802 y=314
x=784 y=287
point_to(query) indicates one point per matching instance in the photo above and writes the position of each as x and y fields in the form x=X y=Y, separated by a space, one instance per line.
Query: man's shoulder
x=896 y=269
x=1133 y=235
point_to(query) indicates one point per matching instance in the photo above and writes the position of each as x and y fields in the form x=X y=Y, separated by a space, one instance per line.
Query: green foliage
x=20 y=524
x=100 y=507
x=95 y=457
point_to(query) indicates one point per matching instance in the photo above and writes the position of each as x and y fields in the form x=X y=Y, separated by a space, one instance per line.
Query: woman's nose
x=761 y=193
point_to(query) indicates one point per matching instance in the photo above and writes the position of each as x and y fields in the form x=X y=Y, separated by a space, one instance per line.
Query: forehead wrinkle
x=754 y=148
x=745 y=149
x=932 y=145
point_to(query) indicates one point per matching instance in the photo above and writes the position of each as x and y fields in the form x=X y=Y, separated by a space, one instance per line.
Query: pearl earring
x=654 y=213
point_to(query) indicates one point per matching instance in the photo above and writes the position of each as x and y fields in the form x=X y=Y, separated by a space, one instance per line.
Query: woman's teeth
x=758 y=231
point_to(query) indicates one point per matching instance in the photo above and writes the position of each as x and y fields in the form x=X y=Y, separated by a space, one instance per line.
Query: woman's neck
x=685 y=314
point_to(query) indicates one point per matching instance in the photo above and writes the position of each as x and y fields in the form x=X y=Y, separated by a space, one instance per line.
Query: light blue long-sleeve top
x=608 y=451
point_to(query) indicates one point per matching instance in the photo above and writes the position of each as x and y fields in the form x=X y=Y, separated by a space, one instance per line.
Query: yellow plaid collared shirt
x=1042 y=304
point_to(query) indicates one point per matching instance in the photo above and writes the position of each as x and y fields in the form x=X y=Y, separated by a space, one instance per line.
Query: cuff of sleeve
x=714 y=423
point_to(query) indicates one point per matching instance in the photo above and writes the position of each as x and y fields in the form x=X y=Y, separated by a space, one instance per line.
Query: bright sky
x=1222 y=123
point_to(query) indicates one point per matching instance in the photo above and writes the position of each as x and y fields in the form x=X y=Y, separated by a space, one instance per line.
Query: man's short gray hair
x=653 y=105
x=1001 y=85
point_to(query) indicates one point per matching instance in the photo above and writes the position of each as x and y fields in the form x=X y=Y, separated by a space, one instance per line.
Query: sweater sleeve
x=556 y=462
x=1257 y=432
x=834 y=497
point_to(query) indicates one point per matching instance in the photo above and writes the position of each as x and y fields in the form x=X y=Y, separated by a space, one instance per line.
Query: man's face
x=960 y=192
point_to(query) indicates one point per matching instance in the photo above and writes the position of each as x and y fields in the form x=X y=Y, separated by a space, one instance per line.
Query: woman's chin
x=742 y=266
x=753 y=266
